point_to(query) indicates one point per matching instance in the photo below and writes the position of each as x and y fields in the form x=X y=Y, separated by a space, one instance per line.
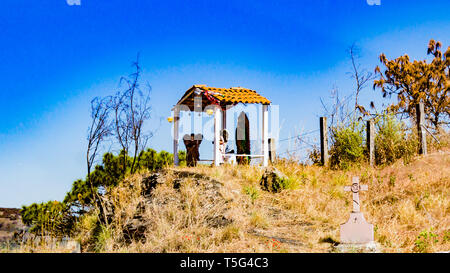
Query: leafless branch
x=361 y=76
x=131 y=109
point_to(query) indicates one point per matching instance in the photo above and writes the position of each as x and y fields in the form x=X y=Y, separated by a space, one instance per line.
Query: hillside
x=10 y=222
x=223 y=209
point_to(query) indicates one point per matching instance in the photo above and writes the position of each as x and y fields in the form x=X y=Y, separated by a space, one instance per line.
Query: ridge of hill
x=224 y=209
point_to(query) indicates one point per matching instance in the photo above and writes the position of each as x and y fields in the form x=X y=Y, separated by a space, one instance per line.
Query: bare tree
x=131 y=110
x=338 y=111
x=361 y=77
x=120 y=126
x=98 y=131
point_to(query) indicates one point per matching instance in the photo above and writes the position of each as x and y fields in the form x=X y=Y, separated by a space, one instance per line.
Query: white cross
x=355 y=188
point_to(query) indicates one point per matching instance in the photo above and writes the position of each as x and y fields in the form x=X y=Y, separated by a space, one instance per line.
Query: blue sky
x=55 y=57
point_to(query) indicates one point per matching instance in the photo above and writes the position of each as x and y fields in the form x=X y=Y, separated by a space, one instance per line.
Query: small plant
x=102 y=239
x=314 y=156
x=252 y=192
x=446 y=236
x=392 y=179
x=340 y=180
x=425 y=241
x=379 y=179
x=230 y=233
x=258 y=220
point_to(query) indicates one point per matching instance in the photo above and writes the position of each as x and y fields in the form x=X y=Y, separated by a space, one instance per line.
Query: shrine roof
x=223 y=96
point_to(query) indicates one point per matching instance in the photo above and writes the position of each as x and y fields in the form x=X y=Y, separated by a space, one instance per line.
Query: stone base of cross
x=356 y=230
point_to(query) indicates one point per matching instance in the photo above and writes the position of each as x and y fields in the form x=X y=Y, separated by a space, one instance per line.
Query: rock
x=150 y=182
x=273 y=180
x=177 y=184
x=219 y=221
x=106 y=209
x=10 y=224
x=135 y=230
x=371 y=247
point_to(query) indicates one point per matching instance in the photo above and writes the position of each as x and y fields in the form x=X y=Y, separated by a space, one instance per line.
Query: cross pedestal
x=356 y=230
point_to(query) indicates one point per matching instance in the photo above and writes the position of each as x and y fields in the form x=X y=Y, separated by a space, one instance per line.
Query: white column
x=217 y=127
x=265 y=134
x=176 y=118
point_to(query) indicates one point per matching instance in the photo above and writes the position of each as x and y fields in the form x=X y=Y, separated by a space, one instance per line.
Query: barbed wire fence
x=302 y=144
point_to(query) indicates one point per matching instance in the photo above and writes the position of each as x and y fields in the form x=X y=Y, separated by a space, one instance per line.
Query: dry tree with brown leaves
x=418 y=81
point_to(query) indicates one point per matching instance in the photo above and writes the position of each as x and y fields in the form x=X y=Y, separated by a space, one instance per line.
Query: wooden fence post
x=323 y=141
x=176 y=120
x=272 y=150
x=420 y=128
x=371 y=141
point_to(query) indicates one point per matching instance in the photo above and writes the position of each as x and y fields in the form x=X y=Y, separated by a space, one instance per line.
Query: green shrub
x=101 y=239
x=347 y=144
x=314 y=156
x=152 y=160
x=425 y=241
x=58 y=218
x=51 y=218
x=392 y=141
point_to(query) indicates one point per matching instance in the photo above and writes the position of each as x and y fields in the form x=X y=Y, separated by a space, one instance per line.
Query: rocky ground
x=10 y=223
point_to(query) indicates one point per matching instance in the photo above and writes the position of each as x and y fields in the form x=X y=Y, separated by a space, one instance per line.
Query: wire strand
x=297 y=136
x=299 y=149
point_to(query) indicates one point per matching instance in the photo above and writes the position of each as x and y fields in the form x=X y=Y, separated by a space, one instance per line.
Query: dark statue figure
x=243 y=139
x=192 y=144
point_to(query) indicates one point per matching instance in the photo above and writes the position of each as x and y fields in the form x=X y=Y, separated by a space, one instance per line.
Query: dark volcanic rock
x=219 y=221
x=135 y=229
x=273 y=180
x=150 y=182
x=10 y=224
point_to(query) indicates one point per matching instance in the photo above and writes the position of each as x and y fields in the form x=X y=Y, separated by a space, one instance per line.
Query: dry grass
x=225 y=210
x=402 y=201
x=37 y=246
